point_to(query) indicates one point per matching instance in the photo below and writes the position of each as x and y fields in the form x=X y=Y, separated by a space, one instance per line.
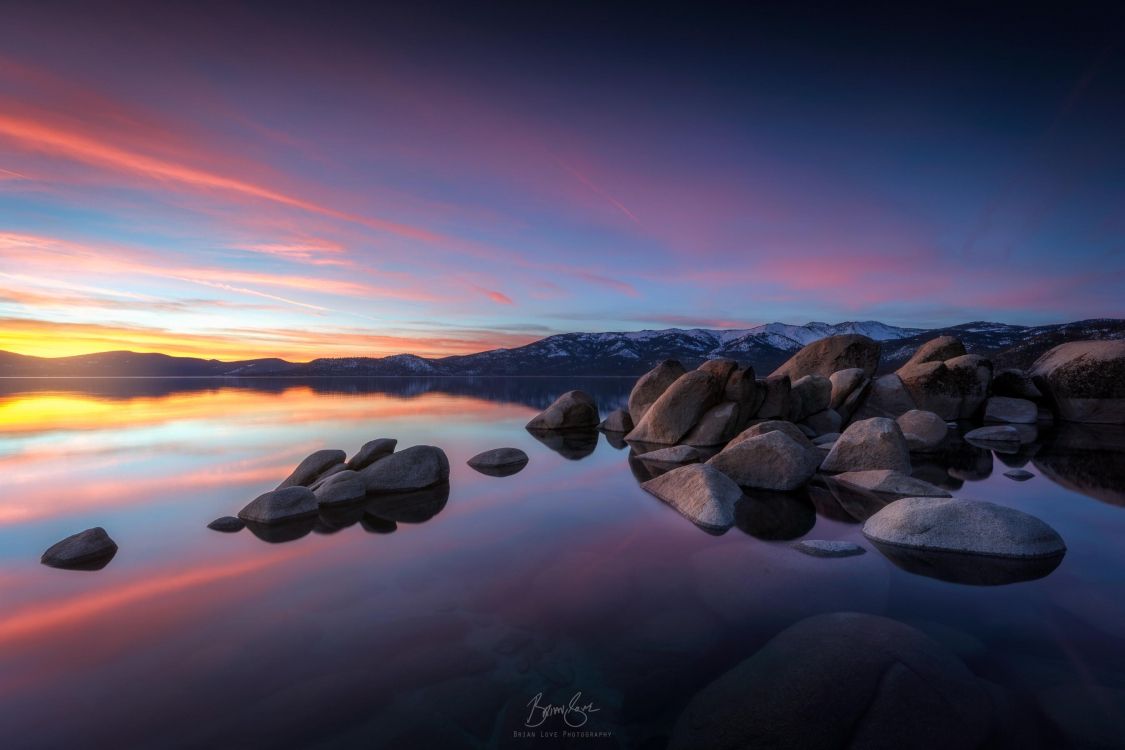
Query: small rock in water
x=826 y=548
x=371 y=452
x=90 y=549
x=617 y=420
x=312 y=467
x=228 y=524
x=279 y=506
x=571 y=410
x=500 y=462
x=1003 y=435
x=1020 y=475
x=889 y=482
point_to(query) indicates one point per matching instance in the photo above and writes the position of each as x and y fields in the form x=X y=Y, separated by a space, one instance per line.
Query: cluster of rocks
x=409 y=485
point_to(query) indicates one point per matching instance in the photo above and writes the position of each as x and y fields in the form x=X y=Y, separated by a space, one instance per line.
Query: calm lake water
x=435 y=624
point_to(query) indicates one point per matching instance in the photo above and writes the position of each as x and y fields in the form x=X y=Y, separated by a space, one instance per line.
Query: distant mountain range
x=631 y=353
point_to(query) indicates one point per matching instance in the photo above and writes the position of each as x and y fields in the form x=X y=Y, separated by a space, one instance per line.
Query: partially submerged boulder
x=924 y=430
x=843 y=680
x=652 y=385
x=617 y=420
x=280 y=506
x=1012 y=410
x=571 y=410
x=417 y=467
x=827 y=355
x=499 y=461
x=91 y=549
x=700 y=493
x=678 y=409
x=888 y=482
x=227 y=524
x=963 y=526
x=312 y=467
x=341 y=488
x=875 y=443
x=1085 y=380
x=772 y=461
x=371 y=452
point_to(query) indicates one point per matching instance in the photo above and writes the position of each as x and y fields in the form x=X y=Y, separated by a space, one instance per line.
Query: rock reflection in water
x=1086 y=458
x=572 y=444
x=418 y=506
x=775 y=516
x=955 y=463
x=974 y=570
x=278 y=533
x=826 y=504
x=376 y=525
x=858 y=503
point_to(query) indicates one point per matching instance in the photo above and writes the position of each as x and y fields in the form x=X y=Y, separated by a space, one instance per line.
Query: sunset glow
x=346 y=187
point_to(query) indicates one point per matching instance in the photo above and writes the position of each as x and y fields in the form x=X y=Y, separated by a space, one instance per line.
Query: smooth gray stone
x=875 y=443
x=963 y=526
x=280 y=506
x=826 y=548
x=371 y=452
x=1020 y=475
x=228 y=524
x=91 y=549
x=700 y=493
x=415 y=468
x=651 y=386
x=928 y=429
x=772 y=461
x=341 y=488
x=617 y=420
x=312 y=467
x=888 y=482
x=499 y=461
x=571 y=410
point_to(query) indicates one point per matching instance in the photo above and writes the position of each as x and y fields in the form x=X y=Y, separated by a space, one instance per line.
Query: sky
x=237 y=180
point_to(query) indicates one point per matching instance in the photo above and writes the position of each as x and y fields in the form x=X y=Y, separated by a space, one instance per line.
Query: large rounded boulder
x=953 y=389
x=842 y=680
x=651 y=386
x=416 y=468
x=772 y=461
x=876 y=443
x=827 y=355
x=572 y=410
x=678 y=409
x=1085 y=380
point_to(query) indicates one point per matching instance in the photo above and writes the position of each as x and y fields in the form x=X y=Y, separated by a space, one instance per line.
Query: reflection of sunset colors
x=447 y=186
x=130 y=451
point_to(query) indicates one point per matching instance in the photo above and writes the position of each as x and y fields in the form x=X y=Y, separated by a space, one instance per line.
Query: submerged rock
x=827 y=355
x=571 y=410
x=1014 y=410
x=617 y=420
x=701 y=493
x=772 y=461
x=415 y=468
x=843 y=680
x=499 y=462
x=875 y=443
x=888 y=482
x=825 y=548
x=371 y=452
x=965 y=526
x=1085 y=380
x=228 y=524
x=91 y=549
x=280 y=506
x=312 y=467
x=1020 y=475
x=651 y=386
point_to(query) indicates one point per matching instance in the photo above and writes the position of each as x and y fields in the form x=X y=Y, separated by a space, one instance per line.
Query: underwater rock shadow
x=775 y=516
x=967 y=568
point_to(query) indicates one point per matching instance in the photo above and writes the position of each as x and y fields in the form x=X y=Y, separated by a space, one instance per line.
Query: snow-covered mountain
x=615 y=353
